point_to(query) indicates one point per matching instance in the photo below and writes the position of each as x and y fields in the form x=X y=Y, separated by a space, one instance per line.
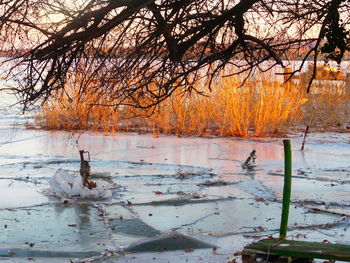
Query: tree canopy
x=140 y=51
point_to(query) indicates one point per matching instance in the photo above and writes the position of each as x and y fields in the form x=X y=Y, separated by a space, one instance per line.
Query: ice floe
x=65 y=184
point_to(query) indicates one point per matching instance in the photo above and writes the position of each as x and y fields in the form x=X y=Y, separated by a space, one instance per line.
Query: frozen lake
x=195 y=186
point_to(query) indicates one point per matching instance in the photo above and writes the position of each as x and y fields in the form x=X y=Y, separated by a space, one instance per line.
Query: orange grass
x=258 y=108
x=328 y=105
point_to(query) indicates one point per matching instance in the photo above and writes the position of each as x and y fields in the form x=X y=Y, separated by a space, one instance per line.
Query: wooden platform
x=275 y=250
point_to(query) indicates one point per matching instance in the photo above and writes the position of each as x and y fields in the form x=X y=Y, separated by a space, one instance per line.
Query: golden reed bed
x=261 y=107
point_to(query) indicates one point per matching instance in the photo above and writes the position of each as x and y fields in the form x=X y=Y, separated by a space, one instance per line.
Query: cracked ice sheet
x=125 y=226
x=228 y=217
x=197 y=255
x=129 y=156
x=313 y=190
x=223 y=154
x=20 y=194
x=73 y=228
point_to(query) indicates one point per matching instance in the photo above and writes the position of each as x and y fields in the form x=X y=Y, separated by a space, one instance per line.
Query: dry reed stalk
x=328 y=106
x=259 y=108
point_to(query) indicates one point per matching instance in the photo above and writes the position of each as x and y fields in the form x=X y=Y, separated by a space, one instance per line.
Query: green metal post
x=286 y=188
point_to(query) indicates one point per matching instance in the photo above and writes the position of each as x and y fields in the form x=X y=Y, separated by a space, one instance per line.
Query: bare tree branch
x=138 y=52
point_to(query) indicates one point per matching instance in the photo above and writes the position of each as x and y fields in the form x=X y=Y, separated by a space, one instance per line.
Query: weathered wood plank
x=300 y=249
